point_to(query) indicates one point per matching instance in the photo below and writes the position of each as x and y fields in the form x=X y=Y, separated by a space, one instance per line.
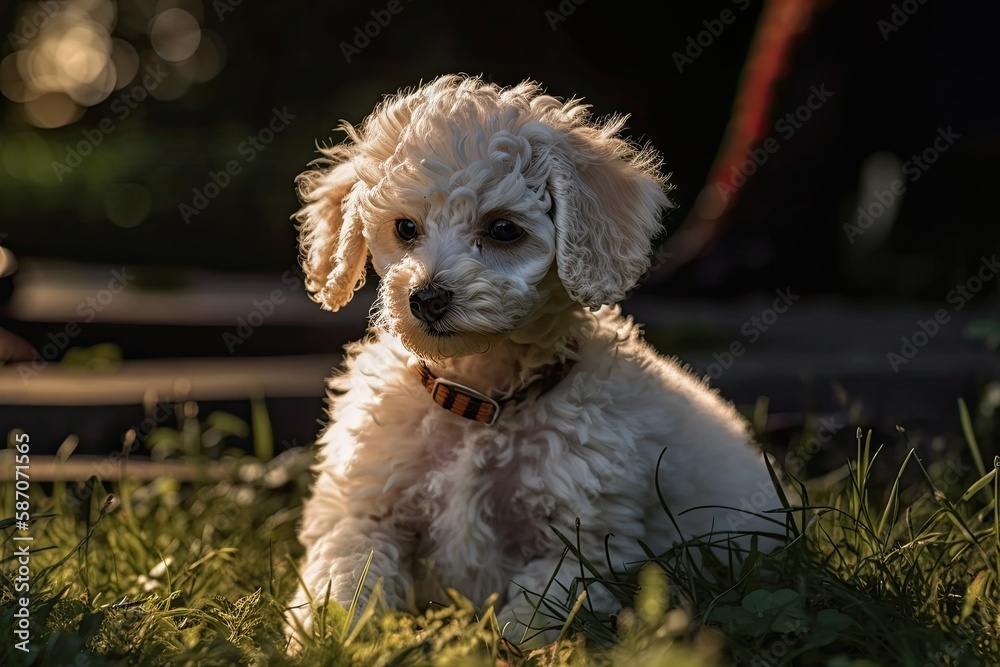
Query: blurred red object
x=782 y=24
x=14 y=348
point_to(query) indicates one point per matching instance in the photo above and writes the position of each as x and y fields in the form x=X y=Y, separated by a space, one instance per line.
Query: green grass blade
x=357 y=597
x=660 y=496
x=263 y=436
x=979 y=485
x=572 y=614
x=892 y=504
x=367 y=614
x=996 y=517
x=548 y=586
x=579 y=549
x=782 y=498
x=970 y=436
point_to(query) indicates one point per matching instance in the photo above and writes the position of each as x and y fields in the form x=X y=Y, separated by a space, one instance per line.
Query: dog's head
x=478 y=205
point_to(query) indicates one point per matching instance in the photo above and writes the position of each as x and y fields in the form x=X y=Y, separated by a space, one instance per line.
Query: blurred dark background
x=117 y=114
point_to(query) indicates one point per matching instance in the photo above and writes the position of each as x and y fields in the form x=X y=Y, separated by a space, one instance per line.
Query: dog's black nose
x=429 y=304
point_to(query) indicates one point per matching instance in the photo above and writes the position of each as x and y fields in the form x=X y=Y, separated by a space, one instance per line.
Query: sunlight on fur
x=505 y=225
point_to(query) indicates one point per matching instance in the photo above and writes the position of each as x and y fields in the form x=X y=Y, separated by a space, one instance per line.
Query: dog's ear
x=608 y=200
x=332 y=247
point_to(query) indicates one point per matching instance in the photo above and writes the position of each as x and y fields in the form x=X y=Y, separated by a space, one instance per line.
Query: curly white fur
x=415 y=484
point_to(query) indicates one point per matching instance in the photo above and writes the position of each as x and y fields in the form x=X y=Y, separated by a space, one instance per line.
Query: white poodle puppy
x=500 y=395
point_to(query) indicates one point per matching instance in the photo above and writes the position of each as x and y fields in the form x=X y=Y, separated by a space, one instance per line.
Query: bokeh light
x=175 y=35
x=12 y=84
x=126 y=204
x=64 y=60
x=207 y=61
x=52 y=110
x=68 y=57
x=126 y=61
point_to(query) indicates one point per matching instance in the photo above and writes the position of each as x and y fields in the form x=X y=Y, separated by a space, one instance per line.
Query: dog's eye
x=406 y=229
x=505 y=230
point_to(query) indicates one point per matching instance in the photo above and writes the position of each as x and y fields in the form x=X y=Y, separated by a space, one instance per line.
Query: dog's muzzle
x=429 y=304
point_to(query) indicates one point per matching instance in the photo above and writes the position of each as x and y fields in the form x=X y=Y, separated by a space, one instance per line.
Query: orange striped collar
x=471 y=404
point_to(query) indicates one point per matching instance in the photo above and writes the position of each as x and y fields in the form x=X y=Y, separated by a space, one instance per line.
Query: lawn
x=892 y=559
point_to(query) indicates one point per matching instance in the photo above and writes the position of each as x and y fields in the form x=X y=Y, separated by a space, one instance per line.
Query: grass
x=897 y=567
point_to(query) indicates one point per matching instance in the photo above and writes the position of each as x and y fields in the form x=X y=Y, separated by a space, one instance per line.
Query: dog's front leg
x=527 y=621
x=335 y=564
